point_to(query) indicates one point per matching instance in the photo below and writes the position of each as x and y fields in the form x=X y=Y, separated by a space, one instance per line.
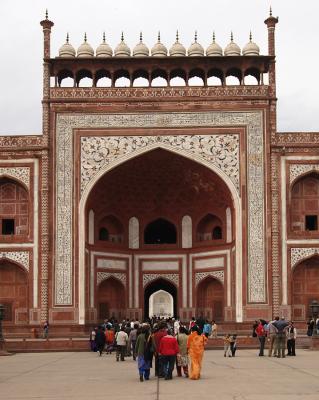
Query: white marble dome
x=251 y=48
x=67 y=50
x=159 y=50
x=214 y=48
x=195 y=49
x=232 y=49
x=122 y=49
x=177 y=50
x=85 y=50
x=141 y=50
x=104 y=50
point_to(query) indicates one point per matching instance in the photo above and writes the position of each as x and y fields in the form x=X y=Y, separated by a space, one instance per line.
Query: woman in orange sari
x=195 y=344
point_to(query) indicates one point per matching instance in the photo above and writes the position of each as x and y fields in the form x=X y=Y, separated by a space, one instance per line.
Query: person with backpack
x=261 y=334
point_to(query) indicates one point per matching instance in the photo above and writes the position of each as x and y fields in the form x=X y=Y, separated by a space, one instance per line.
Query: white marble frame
x=252 y=120
x=285 y=242
x=35 y=245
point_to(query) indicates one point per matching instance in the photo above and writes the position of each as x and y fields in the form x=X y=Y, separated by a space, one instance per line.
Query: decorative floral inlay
x=20 y=173
x=147 y=278
x=21 y=257
x=299 y=253
x=300 y=169
x=101 y=276
x=219 y=150
x=199 y=276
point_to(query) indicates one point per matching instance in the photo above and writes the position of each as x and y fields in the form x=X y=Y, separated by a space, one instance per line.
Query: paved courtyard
x=86 y=376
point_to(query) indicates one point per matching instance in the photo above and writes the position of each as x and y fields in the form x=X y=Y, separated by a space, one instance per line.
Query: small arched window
x=104 y=234
x=160 y=231
x=217 y=233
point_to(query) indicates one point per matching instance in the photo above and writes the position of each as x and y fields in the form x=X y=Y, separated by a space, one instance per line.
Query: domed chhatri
x=214 y=49
x=85 y=50
x=195 y=48
x=159 y=50
x=122 y=49
x=67 y=50
x=177 y=50
x=104 y=50
x=232 y=49
x=141 y=50
x=251 y=48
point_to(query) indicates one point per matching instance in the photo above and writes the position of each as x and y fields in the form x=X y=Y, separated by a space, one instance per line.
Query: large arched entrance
x=158 y=189
x=14 y=292
x=163 y=288
x=111 y=299
x=305 y=287
x=210 y=299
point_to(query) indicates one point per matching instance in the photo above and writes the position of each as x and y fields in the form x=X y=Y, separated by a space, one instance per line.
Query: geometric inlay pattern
x=65 y=125
x=20 y=173
x=101 y=276
x=21 y=257
x=300 y=169
x=299 y=253
x=199 y=276
x=147 y=278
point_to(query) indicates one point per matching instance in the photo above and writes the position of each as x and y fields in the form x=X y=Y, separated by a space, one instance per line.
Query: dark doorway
x=160 y=231
x=159 y=284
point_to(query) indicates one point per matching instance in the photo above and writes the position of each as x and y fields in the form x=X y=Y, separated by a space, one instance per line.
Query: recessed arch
x=111 y=299
x=181 y=152
x=160 y=231
x=160 y=284
x=210 y=298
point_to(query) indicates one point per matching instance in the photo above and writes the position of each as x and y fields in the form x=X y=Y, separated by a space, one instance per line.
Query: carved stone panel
x=297 y=170
x=299 y=253
x=199 y=276
x=21 y=257
x=22 y=174
x=147 y=278
x=101 y=276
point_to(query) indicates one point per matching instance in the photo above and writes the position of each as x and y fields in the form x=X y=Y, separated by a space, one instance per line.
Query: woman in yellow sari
x=195 y=344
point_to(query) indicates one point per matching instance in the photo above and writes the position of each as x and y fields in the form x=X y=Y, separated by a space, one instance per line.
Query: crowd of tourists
x=280 y=334
x=161 y=342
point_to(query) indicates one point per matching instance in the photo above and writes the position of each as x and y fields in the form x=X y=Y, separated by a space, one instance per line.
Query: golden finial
x=213 y=36
x=231 y=36
x=103 y=37
x=85 y=37
x=270 y=11
x=141 y=37
x=46 y=14
x=250 y=36
x=67 y=38
x=159 y=37
x=177 y=36
x=195 y=36
x=122 y=37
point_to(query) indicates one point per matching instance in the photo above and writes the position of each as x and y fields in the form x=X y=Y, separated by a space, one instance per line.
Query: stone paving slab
x=79 y=376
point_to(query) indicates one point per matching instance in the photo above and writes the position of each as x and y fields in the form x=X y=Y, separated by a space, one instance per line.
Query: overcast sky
x=21 y=44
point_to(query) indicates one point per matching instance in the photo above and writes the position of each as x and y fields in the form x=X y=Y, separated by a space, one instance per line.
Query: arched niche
x=111 y=299
x=134 y=233
x=210 y=227
x=304 y=287
x=160 y=231
x=159 y=285
x=304 y=204
x=187 y=232
x=14 y=292
x=161 y=304
x=110 y=229
x=210 y=299
x=14 y=204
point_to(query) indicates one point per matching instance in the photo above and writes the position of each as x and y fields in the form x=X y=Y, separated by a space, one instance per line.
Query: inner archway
x=161 y=304
x=162 y=287
x=210 y=299
x=111 y=299
x=305 y=287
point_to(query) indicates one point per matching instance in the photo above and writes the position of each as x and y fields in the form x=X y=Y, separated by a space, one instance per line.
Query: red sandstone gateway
x=158 y=200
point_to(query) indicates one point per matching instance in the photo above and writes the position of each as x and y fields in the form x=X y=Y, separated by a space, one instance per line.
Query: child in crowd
x=227 y=350
x=233 y=345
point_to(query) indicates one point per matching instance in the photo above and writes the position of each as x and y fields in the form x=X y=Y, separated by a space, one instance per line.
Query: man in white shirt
x=121 y=339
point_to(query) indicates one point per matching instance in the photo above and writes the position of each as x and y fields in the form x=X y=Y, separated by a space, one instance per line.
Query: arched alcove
x=160 y=231
x=210 y=299
x=304 y=204
x=111 y=299
x=160 y=284
x=304 y=287
x=14 y=292
x=110 y=229
x=161 y=304
x=210 y=227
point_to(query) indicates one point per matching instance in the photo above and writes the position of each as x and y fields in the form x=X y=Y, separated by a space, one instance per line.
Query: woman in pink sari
x=195 y=344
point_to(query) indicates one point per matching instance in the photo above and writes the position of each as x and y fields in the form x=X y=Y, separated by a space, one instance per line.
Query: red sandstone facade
x=189 y=190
